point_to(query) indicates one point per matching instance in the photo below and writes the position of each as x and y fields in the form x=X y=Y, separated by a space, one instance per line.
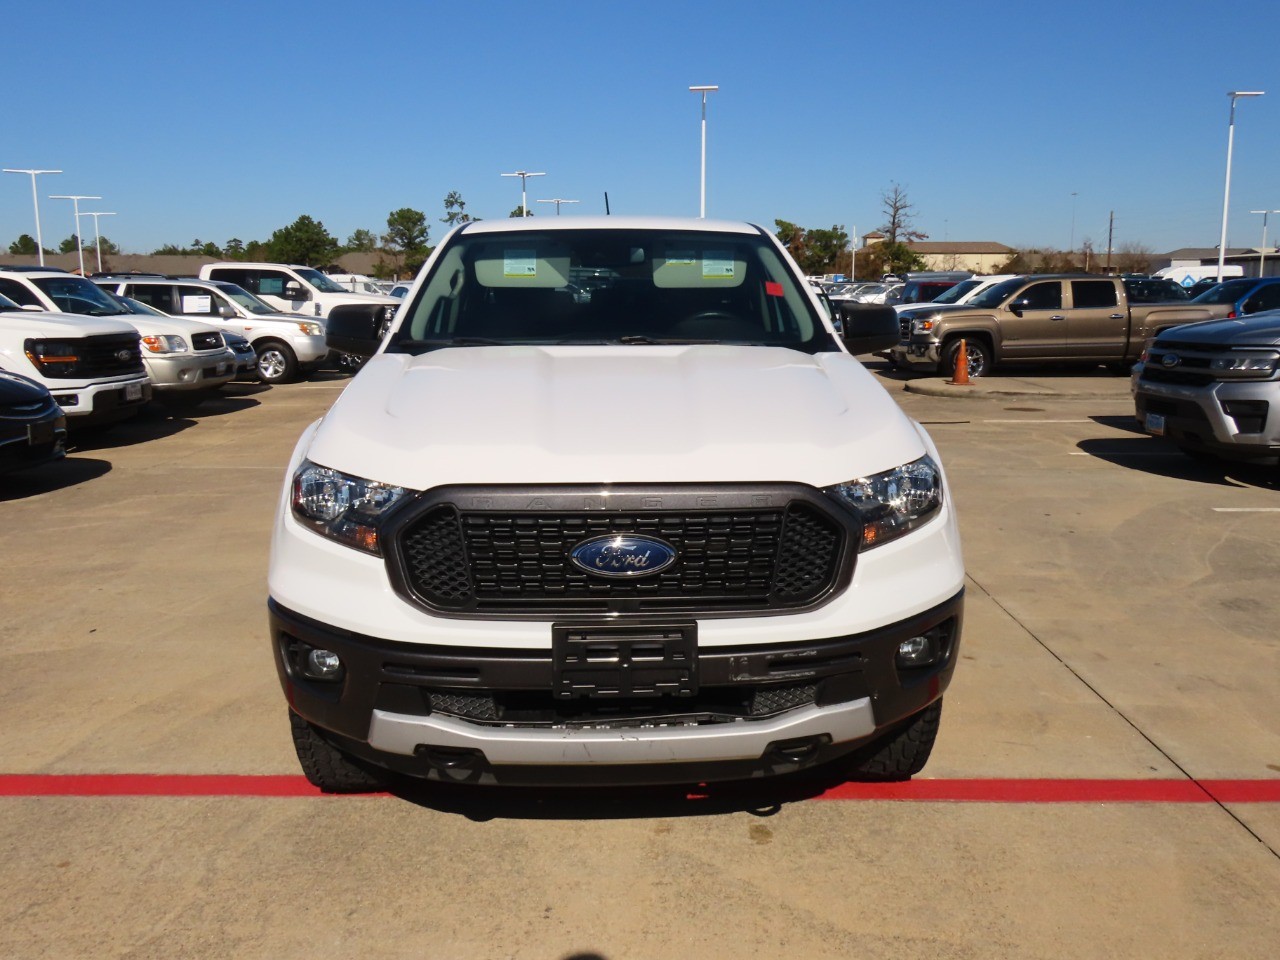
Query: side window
x=1093 y=293
x=271 y=283
x=158 y=295
x=243 y=278
x=197 y=301
x=18 y=293
x=1042 y=296
x=1267 y=298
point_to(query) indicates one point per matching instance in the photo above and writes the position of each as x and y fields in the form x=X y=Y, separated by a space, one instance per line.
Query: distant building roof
x=959 y=246
x=1204 y=253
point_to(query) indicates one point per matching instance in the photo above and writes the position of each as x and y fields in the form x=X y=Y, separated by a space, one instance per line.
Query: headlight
x=894 y=502
x=1262 y=365
x=311 y=329
x=344 y=508
x=922 y=324
x=165 y=343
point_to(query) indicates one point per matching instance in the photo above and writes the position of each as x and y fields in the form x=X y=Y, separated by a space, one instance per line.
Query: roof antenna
x=606 y=203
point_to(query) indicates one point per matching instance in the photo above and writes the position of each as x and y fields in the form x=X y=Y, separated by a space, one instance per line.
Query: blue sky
x=232 y=119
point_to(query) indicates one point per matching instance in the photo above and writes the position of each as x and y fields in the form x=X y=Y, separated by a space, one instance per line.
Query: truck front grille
x=210 y=340
x=482 y=561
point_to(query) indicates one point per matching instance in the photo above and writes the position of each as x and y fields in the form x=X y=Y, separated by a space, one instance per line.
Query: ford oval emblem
x=124 y=356
x=623 y=555
x=1170 y=360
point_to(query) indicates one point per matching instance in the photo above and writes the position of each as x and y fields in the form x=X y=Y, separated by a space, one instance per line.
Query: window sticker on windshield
x=197 y=303
x=682 y=257
x=772 y=289
x=519 y=263
x=717 y=265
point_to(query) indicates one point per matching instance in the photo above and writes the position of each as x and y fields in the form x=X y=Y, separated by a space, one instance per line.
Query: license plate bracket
x=40 y=433
x=607 y=661
x=132 y=391
x=1154 y=424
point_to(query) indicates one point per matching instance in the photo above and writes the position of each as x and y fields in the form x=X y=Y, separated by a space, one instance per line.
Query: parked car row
x=97 y=350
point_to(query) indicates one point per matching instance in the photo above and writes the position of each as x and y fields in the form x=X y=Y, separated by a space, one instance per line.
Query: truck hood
x=349 y=296
x=1259 y=330
x=49 y=324
x=923 y=309
x=611 y=414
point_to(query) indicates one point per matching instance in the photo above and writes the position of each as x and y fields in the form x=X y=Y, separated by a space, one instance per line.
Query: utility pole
x=853 y=256
x=75 y=200
x=1262 y=251
x=1111 y=229
x=524 y=198
x=557 y=202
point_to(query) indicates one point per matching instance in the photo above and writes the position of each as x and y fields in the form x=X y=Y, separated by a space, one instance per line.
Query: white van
x=1188 y=275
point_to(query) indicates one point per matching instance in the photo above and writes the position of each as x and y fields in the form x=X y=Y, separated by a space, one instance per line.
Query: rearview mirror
x=867 y=327
x=356 y=328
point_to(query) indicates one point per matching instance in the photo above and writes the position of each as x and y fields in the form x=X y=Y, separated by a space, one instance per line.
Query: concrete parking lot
x=1106 y=783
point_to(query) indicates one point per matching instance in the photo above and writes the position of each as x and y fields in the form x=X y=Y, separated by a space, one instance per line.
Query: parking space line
x=1122 y=453
x=974 y=790
x=1246 y=509
x=1038 y=421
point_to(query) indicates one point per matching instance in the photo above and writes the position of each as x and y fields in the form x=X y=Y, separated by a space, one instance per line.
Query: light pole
x=523 y=175
x=75 y=200
x=1226 y=191
x=35 y=199
x=1262 y=251
x=97 y=235
x=1072 y=248
x=704 y=90
x=557 y=202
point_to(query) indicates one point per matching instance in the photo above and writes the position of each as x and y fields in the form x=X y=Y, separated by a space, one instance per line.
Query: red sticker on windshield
x=773 y=289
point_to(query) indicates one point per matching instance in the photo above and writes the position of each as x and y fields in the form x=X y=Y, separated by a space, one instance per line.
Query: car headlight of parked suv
x=165 y=343
x=894 y=502
x=342 y=507
x=311 y=328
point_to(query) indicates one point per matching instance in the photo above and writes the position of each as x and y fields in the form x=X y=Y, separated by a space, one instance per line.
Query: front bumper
x=413 y=708
x=190 y=371
x=29 y=442
x=916 y=354
x=99 y=403
x=310 y=350
x=1236 y=420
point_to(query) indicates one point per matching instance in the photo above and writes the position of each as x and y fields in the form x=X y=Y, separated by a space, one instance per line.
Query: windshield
x=617 y=286
x=138 y=307
x=996 y=295
x=77 y=295
x=319 y=280
x=1228 y=291
x=246 y=299
x=956 y=292
x=7 y=304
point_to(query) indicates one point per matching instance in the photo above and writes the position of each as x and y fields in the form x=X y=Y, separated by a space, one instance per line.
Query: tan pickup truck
x=1071 y=317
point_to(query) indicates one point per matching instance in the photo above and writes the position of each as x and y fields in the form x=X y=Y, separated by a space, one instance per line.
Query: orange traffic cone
x=960 y=376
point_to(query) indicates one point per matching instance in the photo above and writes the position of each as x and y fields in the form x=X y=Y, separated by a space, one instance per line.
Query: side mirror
x=868 y=327
x=293 y=290
x=226 y=311
x=1017 y=306
x=356 y=328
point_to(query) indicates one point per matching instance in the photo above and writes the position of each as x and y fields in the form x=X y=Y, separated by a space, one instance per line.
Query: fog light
x=917 y=652
x=322 y=665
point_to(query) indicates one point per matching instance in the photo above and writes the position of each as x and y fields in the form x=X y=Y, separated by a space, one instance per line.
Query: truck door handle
x=1117 y=316
x=1058 y=317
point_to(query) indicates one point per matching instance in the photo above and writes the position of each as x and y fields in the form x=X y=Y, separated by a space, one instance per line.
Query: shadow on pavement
x=48 y=477
x=1158 y=457
x=482 y=803
x=153 y=423
x=1127 y=423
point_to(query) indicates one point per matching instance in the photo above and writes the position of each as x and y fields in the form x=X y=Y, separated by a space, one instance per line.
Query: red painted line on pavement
x=918 y=791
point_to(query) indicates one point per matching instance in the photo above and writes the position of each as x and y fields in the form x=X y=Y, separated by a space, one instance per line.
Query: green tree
x=107 y=247
x=518 y=212
x=68 y=245
x=405 y=241
x=877 y=259
x=362 y=241
x=234 y=250
x=815 y=251
x=455 y=209
x=305 y=241
x=25 y=245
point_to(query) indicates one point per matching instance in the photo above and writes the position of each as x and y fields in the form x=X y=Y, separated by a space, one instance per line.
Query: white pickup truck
x=293 y=289
x=662 y=527
x=93 y=368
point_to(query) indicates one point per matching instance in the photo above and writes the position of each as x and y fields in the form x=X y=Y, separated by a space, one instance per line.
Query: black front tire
x=978 y=352
x=329 y=768
x=901 y=753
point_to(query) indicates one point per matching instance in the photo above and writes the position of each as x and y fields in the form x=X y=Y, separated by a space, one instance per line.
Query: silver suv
x=286 y=344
